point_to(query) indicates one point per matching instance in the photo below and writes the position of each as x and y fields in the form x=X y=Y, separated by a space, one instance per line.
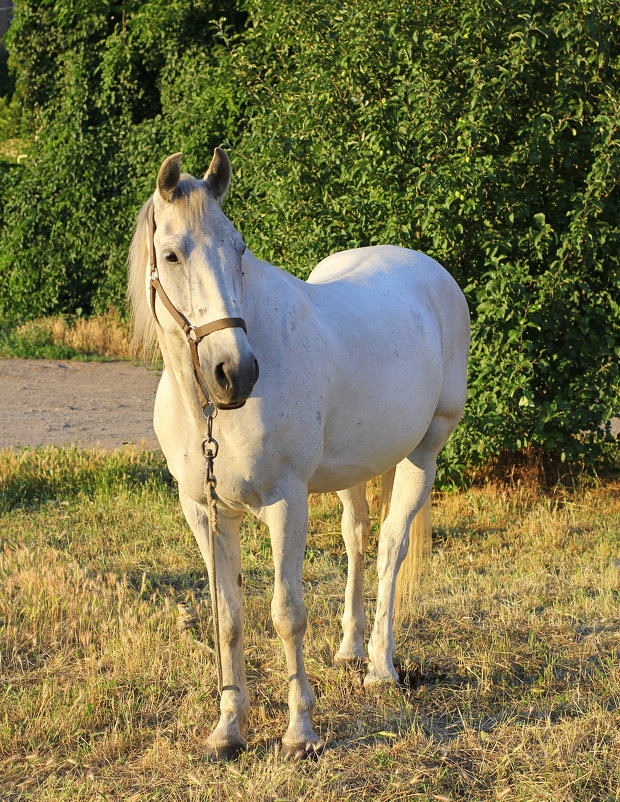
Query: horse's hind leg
x=227 y=739
x=413 y=481
x=355 y=532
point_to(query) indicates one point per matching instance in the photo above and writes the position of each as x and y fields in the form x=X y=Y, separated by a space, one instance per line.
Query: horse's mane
x=142 y=322
x=191 y=197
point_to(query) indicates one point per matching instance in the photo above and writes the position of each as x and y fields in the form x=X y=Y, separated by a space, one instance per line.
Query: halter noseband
x=193 y=334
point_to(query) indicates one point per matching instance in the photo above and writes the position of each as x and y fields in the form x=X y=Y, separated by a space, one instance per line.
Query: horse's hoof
x=303 y=751
x=378 y=682
x=226 y=752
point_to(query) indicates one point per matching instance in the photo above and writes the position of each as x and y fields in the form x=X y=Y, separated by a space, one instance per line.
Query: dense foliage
x=92 y=79
x=481 y=133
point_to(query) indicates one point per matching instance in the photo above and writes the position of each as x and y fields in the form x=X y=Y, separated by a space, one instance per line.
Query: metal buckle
x=189 y=331
x=154 y=274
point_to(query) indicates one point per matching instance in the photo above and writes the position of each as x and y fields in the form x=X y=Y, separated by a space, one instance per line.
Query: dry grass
x=14 y=149
x=105 y=335
x=512 y=650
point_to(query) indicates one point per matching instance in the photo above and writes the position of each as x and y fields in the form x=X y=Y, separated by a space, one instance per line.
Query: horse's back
x=377 y=263
x=385 y=280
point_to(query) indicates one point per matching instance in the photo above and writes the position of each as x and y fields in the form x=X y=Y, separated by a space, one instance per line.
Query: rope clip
x=210 y=447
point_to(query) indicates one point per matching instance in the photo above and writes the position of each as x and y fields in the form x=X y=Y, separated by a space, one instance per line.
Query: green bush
x=482 y=133
x=9 y=118
x=92 y=82
x=35 y=342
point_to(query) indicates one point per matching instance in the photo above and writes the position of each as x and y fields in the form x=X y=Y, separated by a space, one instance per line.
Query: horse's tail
x=420 y=544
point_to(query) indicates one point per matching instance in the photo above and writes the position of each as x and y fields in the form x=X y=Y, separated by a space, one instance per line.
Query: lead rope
x=209 y=450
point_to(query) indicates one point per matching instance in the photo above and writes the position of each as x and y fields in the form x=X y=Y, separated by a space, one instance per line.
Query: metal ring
x=210 y=444
x=209 y=410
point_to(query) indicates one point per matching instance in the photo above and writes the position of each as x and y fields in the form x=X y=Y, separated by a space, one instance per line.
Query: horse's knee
x=289 y=616
x=230 y=614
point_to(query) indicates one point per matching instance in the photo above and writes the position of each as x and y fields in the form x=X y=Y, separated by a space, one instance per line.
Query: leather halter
x=193 y=334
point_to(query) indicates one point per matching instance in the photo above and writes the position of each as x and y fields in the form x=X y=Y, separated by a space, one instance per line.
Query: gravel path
x=103 y=404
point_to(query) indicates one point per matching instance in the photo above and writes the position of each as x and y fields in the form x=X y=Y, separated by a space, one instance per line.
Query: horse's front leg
x=227 y=739
x=287 y=520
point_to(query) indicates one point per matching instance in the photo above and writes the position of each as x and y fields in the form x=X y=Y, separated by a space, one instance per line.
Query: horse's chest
x=235 y=482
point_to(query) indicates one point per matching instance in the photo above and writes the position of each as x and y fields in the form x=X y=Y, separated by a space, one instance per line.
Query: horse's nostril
x=221 y=377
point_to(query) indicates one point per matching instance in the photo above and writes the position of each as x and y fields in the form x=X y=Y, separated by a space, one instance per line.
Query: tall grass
x=35 y=476
x=95 y=338
x=510 y=652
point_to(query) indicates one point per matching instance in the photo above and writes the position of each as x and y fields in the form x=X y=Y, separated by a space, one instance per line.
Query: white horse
x=362 y=368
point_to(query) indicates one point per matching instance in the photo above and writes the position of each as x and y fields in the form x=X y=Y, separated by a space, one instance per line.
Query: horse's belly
x=371 y=450
x=373 y=425
x=382 y=348
x=330 y=478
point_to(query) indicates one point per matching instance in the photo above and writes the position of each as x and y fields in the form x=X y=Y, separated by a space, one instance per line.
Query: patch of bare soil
x=105 y=404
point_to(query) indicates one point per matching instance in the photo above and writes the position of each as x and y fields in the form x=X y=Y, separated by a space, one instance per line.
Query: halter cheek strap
x=194 y=334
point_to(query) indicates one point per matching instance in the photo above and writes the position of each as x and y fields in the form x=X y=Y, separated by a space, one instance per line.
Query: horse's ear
x=168 y=176
x=217 y=178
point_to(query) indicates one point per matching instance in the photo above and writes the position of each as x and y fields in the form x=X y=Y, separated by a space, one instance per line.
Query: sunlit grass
x=99 y=337
x=31 y=477
x=14 y=149
x=513 y=643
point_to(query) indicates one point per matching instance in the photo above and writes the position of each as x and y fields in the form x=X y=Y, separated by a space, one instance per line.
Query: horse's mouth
x=236 y=405
x=233 y=400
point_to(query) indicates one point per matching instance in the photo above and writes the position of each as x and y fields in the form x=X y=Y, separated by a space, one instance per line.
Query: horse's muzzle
x=232 y=385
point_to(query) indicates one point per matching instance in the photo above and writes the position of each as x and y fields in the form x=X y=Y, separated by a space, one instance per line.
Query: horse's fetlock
x=307 y=703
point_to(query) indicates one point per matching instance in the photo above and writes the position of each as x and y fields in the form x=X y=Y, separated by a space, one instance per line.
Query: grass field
x=512 y=646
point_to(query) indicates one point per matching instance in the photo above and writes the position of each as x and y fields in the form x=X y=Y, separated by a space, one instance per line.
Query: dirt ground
x=103 y=404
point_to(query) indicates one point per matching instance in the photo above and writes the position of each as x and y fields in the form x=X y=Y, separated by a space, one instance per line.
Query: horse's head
x=198 y=255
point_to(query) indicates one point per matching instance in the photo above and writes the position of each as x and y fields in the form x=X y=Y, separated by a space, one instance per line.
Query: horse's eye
x=171 y=257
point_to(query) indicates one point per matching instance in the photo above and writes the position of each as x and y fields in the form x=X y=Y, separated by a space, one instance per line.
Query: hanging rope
x=209 y=450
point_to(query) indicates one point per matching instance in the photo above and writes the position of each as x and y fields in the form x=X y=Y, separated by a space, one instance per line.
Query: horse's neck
x=266 y=287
